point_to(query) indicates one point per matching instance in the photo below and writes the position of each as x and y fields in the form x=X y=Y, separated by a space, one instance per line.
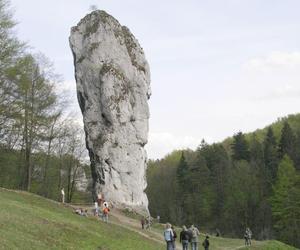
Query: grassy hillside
x=28 y=221
x=31 y=222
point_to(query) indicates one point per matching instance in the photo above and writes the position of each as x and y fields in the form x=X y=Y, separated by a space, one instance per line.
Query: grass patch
x=31 y=222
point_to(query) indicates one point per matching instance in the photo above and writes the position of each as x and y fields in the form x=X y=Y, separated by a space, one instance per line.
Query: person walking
x=62 y=195
x=195 y=233
x=174 y=237
x=168 y=236
x=184 y=238
x=249 y=233
x=96 y=209
x=105 y=212
x=205 y=243
x=246 y=238
x=143 y=222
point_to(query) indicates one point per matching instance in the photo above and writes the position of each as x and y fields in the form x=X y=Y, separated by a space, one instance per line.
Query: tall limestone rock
x=113 y=87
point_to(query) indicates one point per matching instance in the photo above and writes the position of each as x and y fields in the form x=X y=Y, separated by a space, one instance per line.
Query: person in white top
x=63 y=195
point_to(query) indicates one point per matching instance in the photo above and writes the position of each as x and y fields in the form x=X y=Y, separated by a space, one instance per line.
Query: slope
x=28 y=221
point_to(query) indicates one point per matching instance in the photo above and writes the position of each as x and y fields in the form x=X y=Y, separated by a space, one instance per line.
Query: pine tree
x=182 y=172
x=288 y=142
x=240 y=147
x=270 y=157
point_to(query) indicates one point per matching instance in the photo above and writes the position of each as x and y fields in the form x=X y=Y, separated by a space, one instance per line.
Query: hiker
x=96 y=210
x=148 y=222
x=174 y=237
x=168 y=235
x=100 y=199
x=158 y=218
x=249 y=235
x=62 y=195
x=78 y=211
x=246 y=238
x=205 y=243
x=184 y=238
x=194 y=240
x=105 y=212
x=143 y=222
x=84 y=213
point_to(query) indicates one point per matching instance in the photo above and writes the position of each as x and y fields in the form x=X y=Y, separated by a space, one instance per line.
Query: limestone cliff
x=113 y=87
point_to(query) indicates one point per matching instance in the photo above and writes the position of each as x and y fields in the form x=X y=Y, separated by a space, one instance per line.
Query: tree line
x=41 y=147
x=249 y=180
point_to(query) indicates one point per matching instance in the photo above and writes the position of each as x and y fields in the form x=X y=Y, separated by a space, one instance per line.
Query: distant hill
x=293 y=120
x=32 y=222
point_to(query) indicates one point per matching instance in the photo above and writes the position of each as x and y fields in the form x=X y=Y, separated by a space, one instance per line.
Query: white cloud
x=274 y=61
x=286 y=92
x=162 y=143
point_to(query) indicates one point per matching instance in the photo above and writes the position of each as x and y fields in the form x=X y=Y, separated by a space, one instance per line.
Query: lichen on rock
x=113 y=87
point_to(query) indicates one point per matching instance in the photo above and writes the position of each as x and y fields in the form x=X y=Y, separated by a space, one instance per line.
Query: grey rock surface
x=113 y=87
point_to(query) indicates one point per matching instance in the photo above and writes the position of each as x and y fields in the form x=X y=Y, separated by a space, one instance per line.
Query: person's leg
x=169 y=245
x=185 y=245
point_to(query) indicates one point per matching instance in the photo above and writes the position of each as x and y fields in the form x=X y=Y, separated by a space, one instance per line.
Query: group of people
x=101 y=208
x=186 y=237
x=81 y=212
x=248 y=236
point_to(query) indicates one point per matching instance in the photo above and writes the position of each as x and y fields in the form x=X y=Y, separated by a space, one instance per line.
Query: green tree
x=286 y=203
x=240 y=147
x=9 y=52
x=34 y=108
x=241 y=198
x=183 y=172
x=270 y=158
x=288 y=142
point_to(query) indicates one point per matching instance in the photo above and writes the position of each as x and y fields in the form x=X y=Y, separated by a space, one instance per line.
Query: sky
x=217 y=67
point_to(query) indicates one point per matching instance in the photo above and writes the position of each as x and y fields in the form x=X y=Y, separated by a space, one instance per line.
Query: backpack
x=168 y=235
x=175 y=234
x=105 y=210
x=194 y=232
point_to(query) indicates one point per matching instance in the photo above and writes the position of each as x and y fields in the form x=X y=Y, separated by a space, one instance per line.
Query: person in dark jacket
x=143 y=222
x=184 y=238
x=174 y=237
x=205 y=243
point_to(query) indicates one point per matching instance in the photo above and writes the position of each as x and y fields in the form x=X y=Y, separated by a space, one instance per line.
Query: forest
x=248 y=180
x=42 y=149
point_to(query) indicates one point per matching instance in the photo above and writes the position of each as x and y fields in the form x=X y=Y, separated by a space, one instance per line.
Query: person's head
x=168 y=225
x=207 y=237
x=184 y=228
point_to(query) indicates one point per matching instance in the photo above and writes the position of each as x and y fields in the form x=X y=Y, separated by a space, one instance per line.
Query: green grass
x=31 y=222
x=269 y=245
x=28 y=221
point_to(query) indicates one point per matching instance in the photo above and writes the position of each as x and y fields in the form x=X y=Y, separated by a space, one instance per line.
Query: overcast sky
x=217 y=66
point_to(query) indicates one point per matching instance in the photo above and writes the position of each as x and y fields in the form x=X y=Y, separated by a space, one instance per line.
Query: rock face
x=113 y=87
